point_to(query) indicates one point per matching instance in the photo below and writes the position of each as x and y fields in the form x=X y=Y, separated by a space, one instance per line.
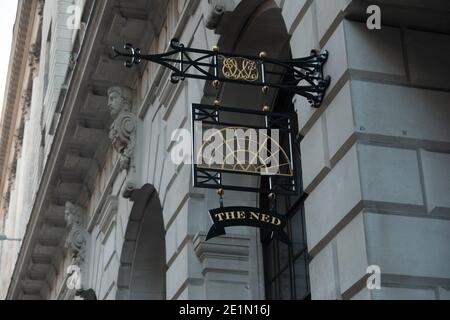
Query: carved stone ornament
x=40 y=8
x=123 y=132
x=78 y=236
x=12 y=174
x=26 y=103
x=18 y=142
x=35 y=54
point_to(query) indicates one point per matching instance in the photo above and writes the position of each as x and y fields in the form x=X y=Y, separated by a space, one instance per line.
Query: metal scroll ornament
x=235 y=68
x=305 y=74
x=249 y=145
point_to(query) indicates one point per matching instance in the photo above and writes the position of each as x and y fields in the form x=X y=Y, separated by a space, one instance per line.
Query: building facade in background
x=88 y=183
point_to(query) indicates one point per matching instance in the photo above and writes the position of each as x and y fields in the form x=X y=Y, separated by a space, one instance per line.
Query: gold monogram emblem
x=235 y=68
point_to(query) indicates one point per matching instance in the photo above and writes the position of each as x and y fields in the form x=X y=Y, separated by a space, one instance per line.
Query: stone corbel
x=6 y=199
x=123 y=133
x=77 y=243
x=18 y=142
x=40 y=8
x=12 y=174
x=217 y=9
x=34 y=57
x=77 y=238
x=26 y=104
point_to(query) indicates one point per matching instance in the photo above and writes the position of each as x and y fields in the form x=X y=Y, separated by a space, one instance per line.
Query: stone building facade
x=88 y=184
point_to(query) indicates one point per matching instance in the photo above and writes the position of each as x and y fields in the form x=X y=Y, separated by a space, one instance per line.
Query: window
x=286 y=267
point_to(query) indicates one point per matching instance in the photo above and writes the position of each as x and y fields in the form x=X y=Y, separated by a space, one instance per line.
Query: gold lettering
x=276 y=221
x=254 y=216
x=241 y=215
x=230 y=215
x=239 y=68
x=264 y=218
x=219 y=216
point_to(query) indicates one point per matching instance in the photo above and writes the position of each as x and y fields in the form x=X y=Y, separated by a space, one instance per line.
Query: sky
x=7 y=17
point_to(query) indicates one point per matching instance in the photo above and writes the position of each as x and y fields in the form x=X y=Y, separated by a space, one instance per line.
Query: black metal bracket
x=306 y=73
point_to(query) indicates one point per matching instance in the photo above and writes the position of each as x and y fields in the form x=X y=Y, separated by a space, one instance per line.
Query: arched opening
x=262 y=28
x=142 y=273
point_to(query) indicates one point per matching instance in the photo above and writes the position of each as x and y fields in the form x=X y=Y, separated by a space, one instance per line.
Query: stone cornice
x=57 y=153
x=15 y=81
x=70 y=132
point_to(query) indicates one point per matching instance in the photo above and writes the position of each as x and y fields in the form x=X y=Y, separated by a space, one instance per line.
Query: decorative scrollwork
x=306 y=73
x=123 y=130
x=236 y=68
x=34 y=57
x=78 y=235
x=123 y=133
x=251 y=154
x=77 y=239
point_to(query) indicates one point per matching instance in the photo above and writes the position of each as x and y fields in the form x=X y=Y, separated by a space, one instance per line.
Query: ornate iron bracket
x=306 y=73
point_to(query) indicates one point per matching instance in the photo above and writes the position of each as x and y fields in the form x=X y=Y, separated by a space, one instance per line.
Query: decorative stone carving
x=12 y=174
x=34 y=57
x=123 y=132
x=78 y=236
x=73 y=60
x=218 y=8
x=40 y=8
x=77 y=243
x=18 y=141
x=214 y=16
x=26 y=103
x=6 y=198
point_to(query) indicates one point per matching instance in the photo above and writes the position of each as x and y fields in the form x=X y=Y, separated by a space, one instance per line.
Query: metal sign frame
x=307 y=73
x=214 y=178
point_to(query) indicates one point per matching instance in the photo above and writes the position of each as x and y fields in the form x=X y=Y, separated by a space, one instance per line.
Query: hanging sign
x=233 y=148
x=246 y=216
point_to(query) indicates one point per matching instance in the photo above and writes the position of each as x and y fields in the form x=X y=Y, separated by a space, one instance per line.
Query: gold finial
x=216 y=83
x=215 y=48
x=216 y=103
x=220 y=192
x=263 y=54
x=266 y=109
x=265 y=89
x=271 y=196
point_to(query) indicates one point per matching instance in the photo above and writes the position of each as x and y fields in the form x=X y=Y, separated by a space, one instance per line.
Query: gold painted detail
x=237 y=155
x=235 y=68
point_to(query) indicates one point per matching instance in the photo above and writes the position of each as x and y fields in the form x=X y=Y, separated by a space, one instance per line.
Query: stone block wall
x=375 y=156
